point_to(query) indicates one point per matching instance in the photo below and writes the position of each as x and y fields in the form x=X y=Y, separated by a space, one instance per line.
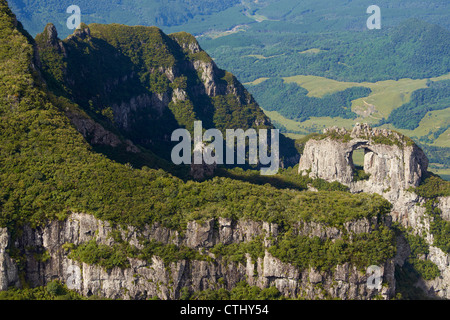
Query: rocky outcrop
x=392 y=160
x=393 y=164
x=420 y=224
x=201 y=171
x=9 y=275
x=145 y=279
x=208 y=71
x=96 y=134
x=145 y=104
x=440 y=286
x=82 y=31
x=444 y=206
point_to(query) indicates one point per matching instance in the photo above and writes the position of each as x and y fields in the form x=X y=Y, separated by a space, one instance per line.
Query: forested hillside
x=35 y=14
x=143 y=84
x=106 y=86
x=293 y=102
x=435 y=97
x=48 y=170
x=278 y=39
x=414 y=49
x=199 y=17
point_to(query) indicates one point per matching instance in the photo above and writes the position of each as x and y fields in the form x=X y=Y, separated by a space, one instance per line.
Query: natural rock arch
x=392 y=160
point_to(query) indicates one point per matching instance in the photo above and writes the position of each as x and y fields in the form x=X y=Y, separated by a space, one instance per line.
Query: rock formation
x=104 y=90
x=392 y=160
x=392 y=165
x=145 y=279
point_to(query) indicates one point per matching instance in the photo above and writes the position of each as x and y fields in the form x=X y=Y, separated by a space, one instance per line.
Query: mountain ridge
x=140 y=233
x=146 y=100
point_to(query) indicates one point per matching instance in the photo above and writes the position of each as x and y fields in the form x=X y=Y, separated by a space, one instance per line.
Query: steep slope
x=395 y=168
x=145 y=84
x=63 y=206
x=220 y=15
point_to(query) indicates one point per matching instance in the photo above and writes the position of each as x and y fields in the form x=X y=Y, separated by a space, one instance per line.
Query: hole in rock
x=357 y=157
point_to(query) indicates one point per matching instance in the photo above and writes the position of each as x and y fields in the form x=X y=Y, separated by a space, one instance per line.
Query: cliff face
x=392 y=164
x=145 y=279
x=392 y=161
x=144 y=84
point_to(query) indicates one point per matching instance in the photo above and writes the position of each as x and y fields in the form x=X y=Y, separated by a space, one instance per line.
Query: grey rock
x=144 y=279
x=395 y=166
x=9 y=275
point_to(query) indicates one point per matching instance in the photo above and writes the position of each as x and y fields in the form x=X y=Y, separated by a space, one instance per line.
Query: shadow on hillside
x=276 y=181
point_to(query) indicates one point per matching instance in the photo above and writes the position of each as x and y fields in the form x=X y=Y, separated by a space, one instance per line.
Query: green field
x=256 y=82
x=444 y=173
x=385 y=97
x=314 y=124
x=444 y=139
x=433 y=121
x=311 y=51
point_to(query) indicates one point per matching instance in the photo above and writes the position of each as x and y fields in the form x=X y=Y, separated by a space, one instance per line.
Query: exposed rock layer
x=144 y=279
x=392 y=162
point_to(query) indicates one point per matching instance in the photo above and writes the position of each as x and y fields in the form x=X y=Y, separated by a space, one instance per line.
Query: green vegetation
x=101 y=254
x=439 y=159
x=406 y=278
x=48 y=170
x=236 y=252
x=415 y=268
x=432 y=187
x=54 y=290
x=360 y=174
x=242 y=291
x=53 y=62
x=390 y=141
x=362 y=250
x=220 y=15
x=285 y=179
x=439 y=227
x=419 y=249
x=412 y=49
x=237 y=200
x=117 y=255
x=132 y=65
x=435 y=97
x=329 y=42
x=168 y=253
x=411 y=52
x=130 y=12
x=158 y=83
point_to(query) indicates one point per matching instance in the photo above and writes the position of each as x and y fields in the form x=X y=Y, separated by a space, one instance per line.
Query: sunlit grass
x=386 y=95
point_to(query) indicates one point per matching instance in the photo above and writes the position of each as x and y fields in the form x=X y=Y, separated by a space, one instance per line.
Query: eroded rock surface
x=145 y=279
x=393 y=164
